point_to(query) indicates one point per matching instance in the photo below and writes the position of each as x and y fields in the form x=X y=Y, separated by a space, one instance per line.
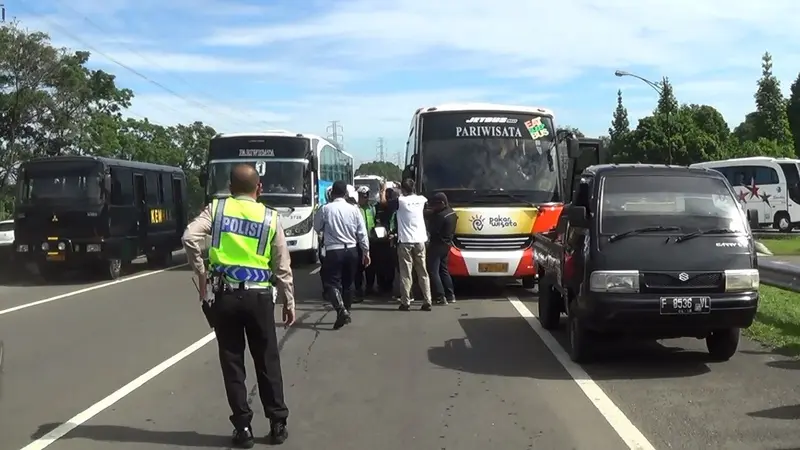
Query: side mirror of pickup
x=573 y=149
x=578 y=217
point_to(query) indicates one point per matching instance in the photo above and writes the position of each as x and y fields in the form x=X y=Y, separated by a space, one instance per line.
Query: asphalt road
x=473 y=375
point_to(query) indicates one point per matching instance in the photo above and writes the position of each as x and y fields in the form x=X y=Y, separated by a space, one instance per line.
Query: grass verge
x=782 y=246
x=777 y=323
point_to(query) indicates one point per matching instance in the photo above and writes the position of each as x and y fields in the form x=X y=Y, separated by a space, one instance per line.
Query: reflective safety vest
x=241 y=240
x=368 y=214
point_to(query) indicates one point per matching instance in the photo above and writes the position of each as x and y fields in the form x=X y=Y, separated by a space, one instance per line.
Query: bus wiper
x=635 y=231
x=693 y=235
x=507 y=195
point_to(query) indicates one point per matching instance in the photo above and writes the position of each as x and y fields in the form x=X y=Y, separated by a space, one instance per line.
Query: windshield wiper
x=507 y=195
x=693 y=235
x=635 y=231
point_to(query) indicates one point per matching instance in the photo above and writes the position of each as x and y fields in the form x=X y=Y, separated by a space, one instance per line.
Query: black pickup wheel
x=549 y=306
x=581 y=346
x=722 y=344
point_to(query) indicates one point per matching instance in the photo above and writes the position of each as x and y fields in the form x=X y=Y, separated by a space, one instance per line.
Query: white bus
x=373 y=182
x=295 y=170
x=768 y=188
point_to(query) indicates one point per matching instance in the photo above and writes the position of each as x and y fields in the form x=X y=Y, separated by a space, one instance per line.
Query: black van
x=97 y=213
x=650 y=251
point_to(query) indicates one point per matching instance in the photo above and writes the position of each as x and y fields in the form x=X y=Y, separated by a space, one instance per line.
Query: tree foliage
x=387 y=170
x=51 y=103
x=692 y=133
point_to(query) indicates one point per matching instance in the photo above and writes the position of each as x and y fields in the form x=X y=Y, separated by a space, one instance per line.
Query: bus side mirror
x=312 y=163
x=573 y=149
x=408 y=172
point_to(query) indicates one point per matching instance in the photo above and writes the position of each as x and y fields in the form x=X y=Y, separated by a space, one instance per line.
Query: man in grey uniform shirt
x=343 y=228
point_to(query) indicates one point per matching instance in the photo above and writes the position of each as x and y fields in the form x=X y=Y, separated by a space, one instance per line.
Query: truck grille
x=502 y=242
x=694 y=281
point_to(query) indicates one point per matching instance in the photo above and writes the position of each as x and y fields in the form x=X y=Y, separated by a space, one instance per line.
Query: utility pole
x=335 y=132
x=381 y=150
x=2 y=13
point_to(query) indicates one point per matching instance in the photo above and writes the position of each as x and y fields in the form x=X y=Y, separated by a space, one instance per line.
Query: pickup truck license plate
x=492 y=267
x=685 y=305
x=56 y=257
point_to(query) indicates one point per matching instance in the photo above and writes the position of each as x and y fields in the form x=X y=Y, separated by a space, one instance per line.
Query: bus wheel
x=311 y=257
x=782 y=222
x=114 y=268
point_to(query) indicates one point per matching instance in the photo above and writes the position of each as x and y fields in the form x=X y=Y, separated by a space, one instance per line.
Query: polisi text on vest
x=241 y=227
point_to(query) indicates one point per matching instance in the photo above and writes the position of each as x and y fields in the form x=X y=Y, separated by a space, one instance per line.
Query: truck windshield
x=55 y=181
x=282 y=181
x=485 y=152
x=689 y=202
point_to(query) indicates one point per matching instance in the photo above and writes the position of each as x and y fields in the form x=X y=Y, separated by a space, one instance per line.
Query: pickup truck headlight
x=614 y=281
x=742 y=280
x=301 y=228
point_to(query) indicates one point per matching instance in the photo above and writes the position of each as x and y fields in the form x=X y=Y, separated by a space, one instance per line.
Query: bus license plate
x=492 y=267
x=685 y=305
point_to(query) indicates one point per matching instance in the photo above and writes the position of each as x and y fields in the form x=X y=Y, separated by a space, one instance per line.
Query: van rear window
x=688 y=202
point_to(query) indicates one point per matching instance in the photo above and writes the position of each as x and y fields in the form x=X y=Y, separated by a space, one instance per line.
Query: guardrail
x=761 y=234
x=779 y=274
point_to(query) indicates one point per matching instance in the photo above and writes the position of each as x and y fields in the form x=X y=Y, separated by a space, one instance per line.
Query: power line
x=335 y=132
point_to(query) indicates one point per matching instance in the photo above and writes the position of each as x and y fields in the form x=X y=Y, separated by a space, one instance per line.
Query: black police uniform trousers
x=338 y=277
x=250 y=314
x=365 y=272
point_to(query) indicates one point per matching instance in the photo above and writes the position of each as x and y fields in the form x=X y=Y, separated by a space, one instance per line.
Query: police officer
x=248 y=253
x=369 y=216
x=344 y=229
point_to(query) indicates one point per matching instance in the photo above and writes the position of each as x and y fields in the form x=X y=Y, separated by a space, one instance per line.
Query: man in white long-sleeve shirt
x=343 y=229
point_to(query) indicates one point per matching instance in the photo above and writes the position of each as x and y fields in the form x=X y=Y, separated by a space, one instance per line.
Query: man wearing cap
x=368 y=214
x=343 y=229
x=441 y=228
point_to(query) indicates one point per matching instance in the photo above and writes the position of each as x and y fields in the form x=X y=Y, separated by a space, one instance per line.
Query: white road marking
x=316 y=270
x=85 y=290
x=615 y=417
x=121 y=393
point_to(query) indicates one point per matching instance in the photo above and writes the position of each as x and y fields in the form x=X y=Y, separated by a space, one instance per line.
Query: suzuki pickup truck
x=649 y=251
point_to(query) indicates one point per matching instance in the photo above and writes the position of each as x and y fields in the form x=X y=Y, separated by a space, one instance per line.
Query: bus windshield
x=59 y=182
x=374 y=186
x=469 y=155
x=283 y=182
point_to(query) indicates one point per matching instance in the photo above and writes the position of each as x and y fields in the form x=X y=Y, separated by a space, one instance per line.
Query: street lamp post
x=658 y=87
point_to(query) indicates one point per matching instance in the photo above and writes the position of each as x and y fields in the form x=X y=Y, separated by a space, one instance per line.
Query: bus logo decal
x=477 y=222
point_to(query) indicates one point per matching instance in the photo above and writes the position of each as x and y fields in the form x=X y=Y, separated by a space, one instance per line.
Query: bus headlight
x=301 y=228
x=742 y=280
x=614 y=281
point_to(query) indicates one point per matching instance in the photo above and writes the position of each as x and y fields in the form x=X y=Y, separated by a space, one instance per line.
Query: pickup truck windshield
x=59 y=182
x=468 y=153
x=686 y=203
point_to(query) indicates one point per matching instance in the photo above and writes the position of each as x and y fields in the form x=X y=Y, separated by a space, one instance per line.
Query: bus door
x=139 y=199
x=180 y=207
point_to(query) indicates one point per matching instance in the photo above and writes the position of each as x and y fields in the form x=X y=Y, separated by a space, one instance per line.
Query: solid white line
x=316 y=270
x=615 y=417
x=107 y=402
x=88 y=289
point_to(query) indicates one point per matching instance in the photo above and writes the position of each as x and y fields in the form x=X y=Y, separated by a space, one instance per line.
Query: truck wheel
x=580 y=340
x=782 y=222
x=529 y=282
x=722 y=344
x=549 y=311
x=113 y=268
x=50 y=273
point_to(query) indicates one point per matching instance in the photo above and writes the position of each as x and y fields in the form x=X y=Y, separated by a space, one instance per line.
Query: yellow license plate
x=492 y=267
x=57 y=257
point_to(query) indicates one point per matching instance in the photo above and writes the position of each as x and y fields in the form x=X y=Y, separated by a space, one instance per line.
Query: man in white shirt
x=411 y=239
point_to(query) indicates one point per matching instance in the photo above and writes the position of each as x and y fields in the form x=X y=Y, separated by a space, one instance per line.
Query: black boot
x=243 y=438
x=278 y=433
x=341 y=307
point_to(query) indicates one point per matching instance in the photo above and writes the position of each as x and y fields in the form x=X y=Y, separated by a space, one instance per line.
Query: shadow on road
x=787 y=412
x=507 y=346
x=114 y=433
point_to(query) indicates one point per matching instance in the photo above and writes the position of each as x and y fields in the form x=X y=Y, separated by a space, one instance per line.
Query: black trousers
x=339 y=273
x=441 y=281
x=365 y=272
x=249 y=314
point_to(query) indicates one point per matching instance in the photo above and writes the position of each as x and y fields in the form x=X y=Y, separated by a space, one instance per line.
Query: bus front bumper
x=481 y=263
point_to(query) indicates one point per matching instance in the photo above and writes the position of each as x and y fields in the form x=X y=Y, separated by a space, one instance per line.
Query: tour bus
x=768 y=189
x=97 y=213
x=295 y=171
x=504 y=171
x=373 y=182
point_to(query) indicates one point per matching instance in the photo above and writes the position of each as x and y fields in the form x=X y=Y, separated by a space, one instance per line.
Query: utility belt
x=221 y=282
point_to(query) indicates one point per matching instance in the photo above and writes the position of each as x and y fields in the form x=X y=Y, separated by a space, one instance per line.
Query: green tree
x=619 y=133
x=793 y=114
x=748 y=129
x=773 y=122
x=385 y=169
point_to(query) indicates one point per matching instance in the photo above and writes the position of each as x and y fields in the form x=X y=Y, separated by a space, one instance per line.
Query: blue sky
x=255 y=65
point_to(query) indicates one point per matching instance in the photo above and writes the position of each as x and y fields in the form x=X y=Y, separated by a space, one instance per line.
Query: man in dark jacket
x=442 y=228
